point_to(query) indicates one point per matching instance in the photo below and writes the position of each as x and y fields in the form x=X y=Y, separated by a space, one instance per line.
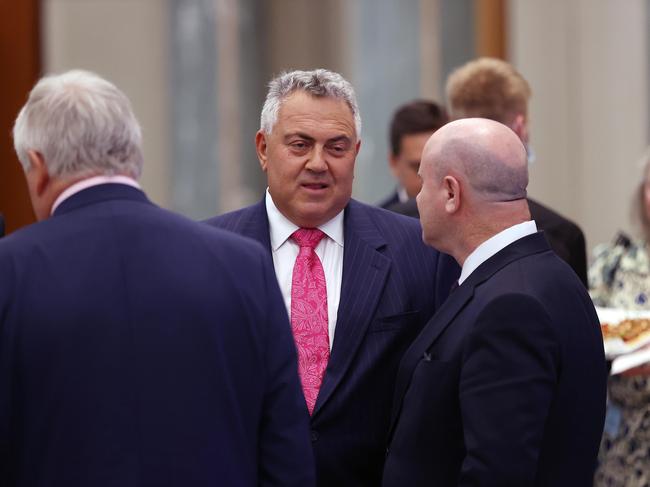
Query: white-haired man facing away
x=357 y=280
x=137 y=347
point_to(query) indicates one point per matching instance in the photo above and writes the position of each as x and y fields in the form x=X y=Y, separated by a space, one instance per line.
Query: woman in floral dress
x=620 y=278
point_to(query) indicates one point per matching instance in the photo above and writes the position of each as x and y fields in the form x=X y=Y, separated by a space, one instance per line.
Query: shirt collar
x=494 y=244
x=281 y=227
x=89 y=183
x=402 y=195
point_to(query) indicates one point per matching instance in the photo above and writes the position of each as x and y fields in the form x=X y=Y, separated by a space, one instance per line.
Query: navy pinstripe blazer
x=391 y=285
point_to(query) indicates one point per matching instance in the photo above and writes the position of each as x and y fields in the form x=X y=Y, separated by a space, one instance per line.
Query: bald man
x=505 y=386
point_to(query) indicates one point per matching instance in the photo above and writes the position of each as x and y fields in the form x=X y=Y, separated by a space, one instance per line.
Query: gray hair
x=81 y=124
x=319 y=83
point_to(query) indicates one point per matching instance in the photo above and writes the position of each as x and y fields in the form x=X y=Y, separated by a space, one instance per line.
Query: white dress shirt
x=89 y=183
x=493 y=245
x=329 y=251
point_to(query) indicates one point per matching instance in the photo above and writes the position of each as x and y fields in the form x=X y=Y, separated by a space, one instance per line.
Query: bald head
x=474 y=177
x=486 y=154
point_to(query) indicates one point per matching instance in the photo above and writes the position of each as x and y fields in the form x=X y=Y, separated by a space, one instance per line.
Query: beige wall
x=587 y=63
x=126 y=42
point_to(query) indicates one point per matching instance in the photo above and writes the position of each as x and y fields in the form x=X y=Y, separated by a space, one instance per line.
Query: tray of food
x=624 y=331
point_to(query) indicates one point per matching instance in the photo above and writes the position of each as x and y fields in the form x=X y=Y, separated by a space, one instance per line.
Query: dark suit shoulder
x=566 y=237
x=232 y=219
x=394 y=228
x=389 y=200
x=384 y=217
x=548 y=219
x=226 y=246
x=54 y=232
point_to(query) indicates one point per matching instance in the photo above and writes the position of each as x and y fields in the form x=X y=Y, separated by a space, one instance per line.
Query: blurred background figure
x=494 y=89
x=410 y=128
x=619 y=277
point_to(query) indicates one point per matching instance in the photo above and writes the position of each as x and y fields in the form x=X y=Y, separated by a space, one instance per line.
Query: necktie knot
x=307 y=237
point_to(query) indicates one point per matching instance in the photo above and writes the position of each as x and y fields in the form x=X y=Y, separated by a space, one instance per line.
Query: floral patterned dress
x=620 y=277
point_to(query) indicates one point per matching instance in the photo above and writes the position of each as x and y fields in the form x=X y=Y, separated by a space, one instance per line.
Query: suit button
x=314 y=435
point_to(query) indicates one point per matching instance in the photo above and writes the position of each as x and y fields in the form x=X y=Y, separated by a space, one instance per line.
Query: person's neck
x=56 y=186
x=483 y=229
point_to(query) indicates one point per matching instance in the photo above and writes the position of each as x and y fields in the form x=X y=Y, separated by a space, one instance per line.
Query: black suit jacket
x=390 y=285
x=505 y=386
x=139 y=348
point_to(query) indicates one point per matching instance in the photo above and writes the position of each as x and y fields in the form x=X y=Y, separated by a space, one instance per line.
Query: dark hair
x=413 y=118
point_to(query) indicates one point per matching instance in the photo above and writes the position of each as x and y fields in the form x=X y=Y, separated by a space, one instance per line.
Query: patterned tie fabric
x=309 y=314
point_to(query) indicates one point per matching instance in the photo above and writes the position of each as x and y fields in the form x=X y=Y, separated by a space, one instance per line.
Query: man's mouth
x=314 y=186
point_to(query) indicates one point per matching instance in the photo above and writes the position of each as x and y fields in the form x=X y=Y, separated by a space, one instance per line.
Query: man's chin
x=313 y=214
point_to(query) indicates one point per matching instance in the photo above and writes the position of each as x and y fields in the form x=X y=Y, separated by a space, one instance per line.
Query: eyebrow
x=333 y=140
x=298 y=134
x=340 y=138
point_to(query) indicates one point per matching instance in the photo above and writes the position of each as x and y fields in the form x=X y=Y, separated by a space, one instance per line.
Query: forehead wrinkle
x=300 y=109
x=311 y=128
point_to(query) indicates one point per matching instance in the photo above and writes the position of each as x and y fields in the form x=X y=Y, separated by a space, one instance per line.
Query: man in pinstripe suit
x=382 y=282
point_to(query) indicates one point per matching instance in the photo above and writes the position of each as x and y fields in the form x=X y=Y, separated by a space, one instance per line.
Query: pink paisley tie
x=309 y=314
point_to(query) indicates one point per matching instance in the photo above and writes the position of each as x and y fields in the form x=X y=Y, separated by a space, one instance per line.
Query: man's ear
x=452 y=198
x=357 y=148
x=520 y=127
x=261 y=147
x=38 y=177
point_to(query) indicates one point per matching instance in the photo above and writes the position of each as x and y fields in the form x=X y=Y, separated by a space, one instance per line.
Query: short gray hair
x=81 y=124
x=319 y=83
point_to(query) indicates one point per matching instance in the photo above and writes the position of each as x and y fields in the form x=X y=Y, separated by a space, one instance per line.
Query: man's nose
x=317 y=160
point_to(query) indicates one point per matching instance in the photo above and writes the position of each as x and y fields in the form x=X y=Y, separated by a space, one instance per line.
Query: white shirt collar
x=281 y=227
x=494 y=244
x=402 y=195
x=89 y=183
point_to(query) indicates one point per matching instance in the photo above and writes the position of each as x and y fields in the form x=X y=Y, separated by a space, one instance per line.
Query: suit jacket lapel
x=365 y=270
x=430 y=333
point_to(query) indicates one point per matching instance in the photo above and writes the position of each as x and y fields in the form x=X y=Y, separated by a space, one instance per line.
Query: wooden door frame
x=20 y=56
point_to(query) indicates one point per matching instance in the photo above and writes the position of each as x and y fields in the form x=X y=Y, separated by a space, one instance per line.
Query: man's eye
x=299 y=145
x=337 y=149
